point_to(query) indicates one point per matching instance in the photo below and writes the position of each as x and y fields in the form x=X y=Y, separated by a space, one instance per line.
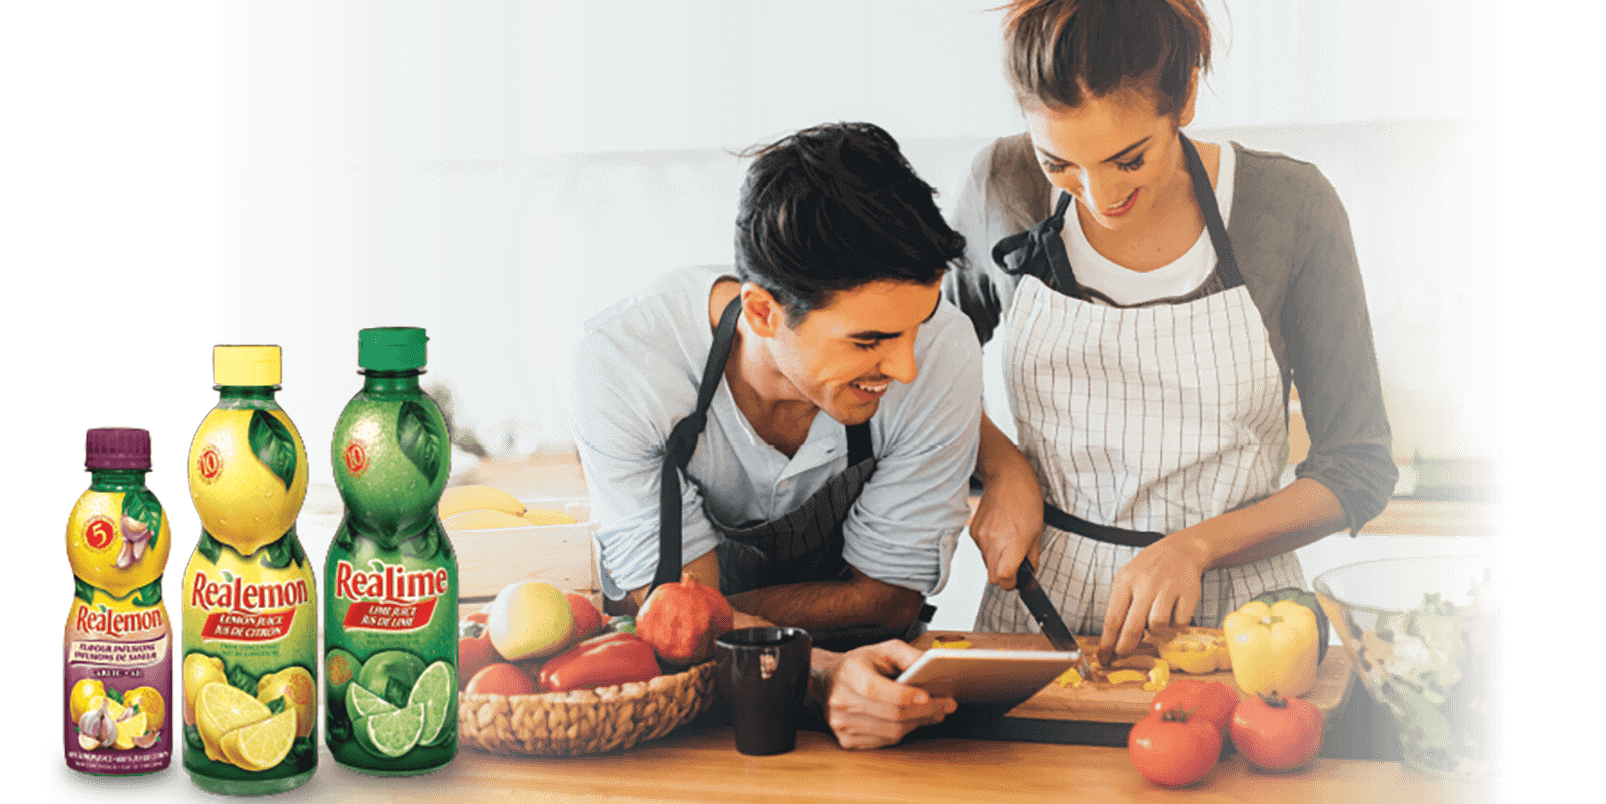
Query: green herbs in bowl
x=1421 y=632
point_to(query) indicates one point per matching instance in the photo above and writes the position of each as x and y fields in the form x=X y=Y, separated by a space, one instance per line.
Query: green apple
x=530 y=620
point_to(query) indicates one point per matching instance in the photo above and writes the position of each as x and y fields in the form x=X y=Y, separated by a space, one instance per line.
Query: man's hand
x=863 y=705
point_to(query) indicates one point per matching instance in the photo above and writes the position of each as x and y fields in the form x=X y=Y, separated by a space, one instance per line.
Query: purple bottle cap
x=117 y=448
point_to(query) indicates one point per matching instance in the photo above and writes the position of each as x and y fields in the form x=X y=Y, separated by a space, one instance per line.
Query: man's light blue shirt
x=635 y=374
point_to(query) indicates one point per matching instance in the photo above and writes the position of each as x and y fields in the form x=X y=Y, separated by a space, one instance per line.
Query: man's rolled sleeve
x=905 y=525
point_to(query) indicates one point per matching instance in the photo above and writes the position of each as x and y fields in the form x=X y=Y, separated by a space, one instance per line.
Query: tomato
x=1172 y=748
x=500 y=679
x=1276 y=733
x=602 y=661
x=475 y=653
x=587 y=619
x=1209 y=700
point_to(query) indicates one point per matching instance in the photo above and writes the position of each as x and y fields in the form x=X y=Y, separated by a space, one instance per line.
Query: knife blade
x=1047 y=617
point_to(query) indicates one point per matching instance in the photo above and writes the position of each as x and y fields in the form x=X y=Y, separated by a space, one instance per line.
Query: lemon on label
x=83 y=692
x=149 y=702
x=391 y=734
x=199 y=671
x=294 y=685
x=436 y=691
x=260 y=746
x=127 y=730
x=224 y=470
x=220 y=709
x=95 y=538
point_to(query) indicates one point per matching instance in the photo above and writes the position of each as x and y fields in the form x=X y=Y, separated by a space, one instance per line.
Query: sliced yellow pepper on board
x=1159 y=676
x=1273 y=648
x=1070 y=678
x=1196 y=653
x=956 y=644
x=1127 y=676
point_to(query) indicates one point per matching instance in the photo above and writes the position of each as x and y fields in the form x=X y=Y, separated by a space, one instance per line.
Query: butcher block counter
x=699 y=763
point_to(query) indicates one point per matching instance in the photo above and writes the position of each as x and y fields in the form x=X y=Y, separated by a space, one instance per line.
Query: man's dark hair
x=834 y=207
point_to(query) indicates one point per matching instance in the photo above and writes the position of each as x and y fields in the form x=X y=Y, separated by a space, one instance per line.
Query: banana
x=481 y=518
x=458 y=499
x=541 y=516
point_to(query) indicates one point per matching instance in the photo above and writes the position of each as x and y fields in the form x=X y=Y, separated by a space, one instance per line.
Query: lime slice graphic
x=436 y=690
x=391 y=674
x=360 y=702
x=391 y=734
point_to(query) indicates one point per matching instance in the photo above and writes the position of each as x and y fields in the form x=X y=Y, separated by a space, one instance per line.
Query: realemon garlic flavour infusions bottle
x=250 y=605
x=390 y=579
x=119 y=645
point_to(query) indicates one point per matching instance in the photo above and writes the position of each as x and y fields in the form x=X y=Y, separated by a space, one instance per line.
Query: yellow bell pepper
x=1159 y=676
x=1273 y=648
x=1196 y=652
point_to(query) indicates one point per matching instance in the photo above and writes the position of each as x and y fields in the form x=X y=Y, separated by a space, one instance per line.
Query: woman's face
x=1118 y=156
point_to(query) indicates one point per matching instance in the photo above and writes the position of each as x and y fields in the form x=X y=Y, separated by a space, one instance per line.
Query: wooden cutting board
x=1103 y=702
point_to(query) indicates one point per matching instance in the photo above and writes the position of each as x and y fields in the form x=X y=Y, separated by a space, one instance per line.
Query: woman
x=1156 y=300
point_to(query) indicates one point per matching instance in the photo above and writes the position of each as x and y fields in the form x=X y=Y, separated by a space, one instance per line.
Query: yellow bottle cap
x=245 y=365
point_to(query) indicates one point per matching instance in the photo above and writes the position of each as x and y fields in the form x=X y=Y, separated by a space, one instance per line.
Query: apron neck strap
x=683 y=442
x=1205 y=195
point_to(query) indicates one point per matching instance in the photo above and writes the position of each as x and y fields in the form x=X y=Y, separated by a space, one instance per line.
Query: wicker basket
x=584 y=721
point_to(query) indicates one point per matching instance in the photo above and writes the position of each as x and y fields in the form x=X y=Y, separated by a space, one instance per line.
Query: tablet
x=971 y=675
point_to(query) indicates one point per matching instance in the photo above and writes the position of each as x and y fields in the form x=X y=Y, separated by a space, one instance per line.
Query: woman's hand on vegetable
x=863 y=705
x=1158 y=588
x=1008 y=523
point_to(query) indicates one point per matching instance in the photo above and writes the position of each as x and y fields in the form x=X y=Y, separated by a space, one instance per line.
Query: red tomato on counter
x=1209 y=700
x=474 y=648
x=1172 y=748
x=1276 y=733
x=601 y=661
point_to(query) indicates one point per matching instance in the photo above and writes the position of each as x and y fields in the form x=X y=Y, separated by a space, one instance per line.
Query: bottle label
x=249 y=663
x=390 y=630
x=118 y=685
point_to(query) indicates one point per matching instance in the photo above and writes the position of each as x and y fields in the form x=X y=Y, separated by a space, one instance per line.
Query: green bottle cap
x=391 y=348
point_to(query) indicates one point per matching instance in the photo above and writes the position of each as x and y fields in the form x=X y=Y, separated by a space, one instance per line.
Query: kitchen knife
x=1042 y=609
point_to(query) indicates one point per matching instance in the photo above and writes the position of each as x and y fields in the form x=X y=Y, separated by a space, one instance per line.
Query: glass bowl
x=1420 y=631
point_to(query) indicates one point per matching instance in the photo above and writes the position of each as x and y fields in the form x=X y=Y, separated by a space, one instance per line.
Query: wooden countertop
x=702 y=765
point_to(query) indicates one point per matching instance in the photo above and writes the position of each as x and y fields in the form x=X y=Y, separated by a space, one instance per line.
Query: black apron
x=801 y=546
x=1040 y=252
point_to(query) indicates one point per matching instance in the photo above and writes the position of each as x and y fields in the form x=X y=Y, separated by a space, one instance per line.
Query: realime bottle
x=390 y=578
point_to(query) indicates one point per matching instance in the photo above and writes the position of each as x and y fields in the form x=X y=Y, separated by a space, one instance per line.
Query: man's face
x=844 y=355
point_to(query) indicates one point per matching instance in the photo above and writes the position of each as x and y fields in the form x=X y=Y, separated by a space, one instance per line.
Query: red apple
x=500 y=679
x=474 y=648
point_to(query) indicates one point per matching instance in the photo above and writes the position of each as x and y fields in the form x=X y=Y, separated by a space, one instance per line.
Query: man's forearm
x=862 y=609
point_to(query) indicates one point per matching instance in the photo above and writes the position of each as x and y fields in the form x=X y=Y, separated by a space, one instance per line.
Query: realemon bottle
x=250 y=605
x=119 y=644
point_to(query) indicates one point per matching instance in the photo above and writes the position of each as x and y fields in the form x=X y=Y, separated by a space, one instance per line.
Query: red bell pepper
x=601 y=661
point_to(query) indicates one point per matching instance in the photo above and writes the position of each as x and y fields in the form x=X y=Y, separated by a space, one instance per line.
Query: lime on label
x=360 y=702
x=436 y=691
x=391 y=734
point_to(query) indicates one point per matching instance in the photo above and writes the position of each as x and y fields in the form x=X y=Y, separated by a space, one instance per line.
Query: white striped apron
x=1146 y=419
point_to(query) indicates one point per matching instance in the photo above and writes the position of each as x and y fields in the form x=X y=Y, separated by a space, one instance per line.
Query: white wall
x=495 y=171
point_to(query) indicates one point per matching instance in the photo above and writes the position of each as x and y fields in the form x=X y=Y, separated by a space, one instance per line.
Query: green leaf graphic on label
x=420 y=440
x=150 y=594
x=114 y=693
x=426 y=544
x=243 y=681
x=83 y=591
x=192 y=740
x=345 y=539
x=283 y=552
x=276 y=705
x=209 y=547
x=141 y=506
x=273 y=445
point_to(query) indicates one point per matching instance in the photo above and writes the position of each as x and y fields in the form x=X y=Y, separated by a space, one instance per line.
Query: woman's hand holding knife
x=1008 y=523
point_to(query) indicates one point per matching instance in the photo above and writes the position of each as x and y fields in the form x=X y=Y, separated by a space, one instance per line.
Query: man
x=801 y=433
